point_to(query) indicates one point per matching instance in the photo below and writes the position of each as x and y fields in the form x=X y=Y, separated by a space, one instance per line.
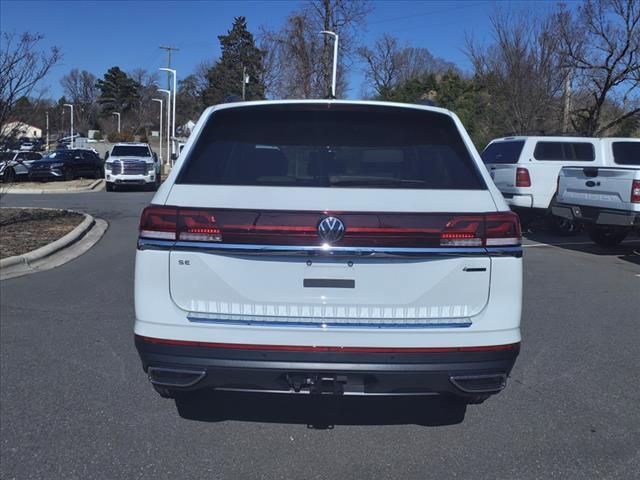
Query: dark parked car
x=67 y=165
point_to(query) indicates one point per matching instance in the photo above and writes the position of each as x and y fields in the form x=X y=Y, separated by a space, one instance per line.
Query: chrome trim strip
x=326 y=325
x=245 y=249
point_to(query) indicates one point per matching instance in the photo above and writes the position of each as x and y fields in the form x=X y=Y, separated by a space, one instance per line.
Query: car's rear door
x=316 y=215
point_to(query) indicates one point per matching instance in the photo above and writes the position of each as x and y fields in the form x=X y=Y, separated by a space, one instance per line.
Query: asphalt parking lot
x=75 y=403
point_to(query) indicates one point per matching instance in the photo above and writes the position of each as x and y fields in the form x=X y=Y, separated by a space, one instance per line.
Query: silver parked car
x=16 y=165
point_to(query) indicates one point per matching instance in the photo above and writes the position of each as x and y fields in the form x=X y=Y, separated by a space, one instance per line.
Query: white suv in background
x=333 y=247
x=131 y=164
x=526 y=169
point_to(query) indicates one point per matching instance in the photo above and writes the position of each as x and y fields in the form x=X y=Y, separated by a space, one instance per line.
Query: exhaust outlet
x=490 y=383
x=174 y=377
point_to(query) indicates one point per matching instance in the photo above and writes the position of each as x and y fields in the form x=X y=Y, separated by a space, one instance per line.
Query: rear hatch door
x=261 y=182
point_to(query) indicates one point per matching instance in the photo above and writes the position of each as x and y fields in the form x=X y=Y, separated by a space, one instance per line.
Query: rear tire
x=607 y=236
x=109 y=187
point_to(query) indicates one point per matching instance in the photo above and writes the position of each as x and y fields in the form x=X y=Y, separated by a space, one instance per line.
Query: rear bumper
x=463 y=372
x=596 y=215
x=518 y=201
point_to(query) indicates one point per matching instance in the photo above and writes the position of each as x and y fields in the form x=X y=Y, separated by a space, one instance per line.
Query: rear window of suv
x=626 y=153
x=130 y=151
x=503 y=152
x=565 y=151
x=331 y=145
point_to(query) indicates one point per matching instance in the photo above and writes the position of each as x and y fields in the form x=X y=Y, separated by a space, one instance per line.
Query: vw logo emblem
x=330 y=229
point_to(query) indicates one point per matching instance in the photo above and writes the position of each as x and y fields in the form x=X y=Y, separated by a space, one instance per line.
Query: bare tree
x=387 y=64
x=144 y=113
x=298 y=59
x=601 y=46
x=22 y=67
x=80 y=88
x=521 y=72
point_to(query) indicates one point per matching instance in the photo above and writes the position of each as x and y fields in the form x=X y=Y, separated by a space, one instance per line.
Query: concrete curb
x=94 y=186
x=20 y=262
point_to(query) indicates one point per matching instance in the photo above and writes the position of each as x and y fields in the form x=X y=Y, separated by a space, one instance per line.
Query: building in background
x=20 y=129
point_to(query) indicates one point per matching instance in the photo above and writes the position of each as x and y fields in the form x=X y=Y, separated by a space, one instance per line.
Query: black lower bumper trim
x=332 y=372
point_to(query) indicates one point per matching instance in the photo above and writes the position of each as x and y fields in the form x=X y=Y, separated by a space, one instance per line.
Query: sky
x=96 y=35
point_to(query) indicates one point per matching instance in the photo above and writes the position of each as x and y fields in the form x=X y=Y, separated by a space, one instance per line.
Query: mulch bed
x=25 y=229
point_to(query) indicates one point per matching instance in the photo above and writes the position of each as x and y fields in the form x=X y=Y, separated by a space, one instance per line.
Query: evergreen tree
x=118 y=91
x=225 y=77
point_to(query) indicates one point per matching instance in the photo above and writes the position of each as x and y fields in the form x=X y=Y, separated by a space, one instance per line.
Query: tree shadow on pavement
x=321 y=411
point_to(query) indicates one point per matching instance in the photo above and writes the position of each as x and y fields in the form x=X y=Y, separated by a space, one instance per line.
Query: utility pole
x=47 y=114
x=169 y=50
x=567 y=102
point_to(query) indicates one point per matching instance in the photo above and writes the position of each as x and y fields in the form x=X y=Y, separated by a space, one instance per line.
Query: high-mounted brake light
x=635 y=191
x=522 y=178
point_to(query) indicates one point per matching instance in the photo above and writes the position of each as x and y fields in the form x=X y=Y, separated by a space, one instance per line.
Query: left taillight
x=171 y=223
x=635 y=191
x=159 y=223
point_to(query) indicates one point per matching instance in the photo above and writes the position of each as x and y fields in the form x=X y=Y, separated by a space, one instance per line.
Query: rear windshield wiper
x=372 y=181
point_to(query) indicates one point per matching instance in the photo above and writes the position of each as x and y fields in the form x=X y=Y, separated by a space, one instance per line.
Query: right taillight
x=635 y=191
x=522 y=178
x=502 y=229
x=490 y=230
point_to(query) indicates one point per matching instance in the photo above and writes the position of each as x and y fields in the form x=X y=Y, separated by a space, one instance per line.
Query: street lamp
x=168 y=92
x=71 y=107
x=47 y=114
x=160 y=142
x=335 y=60
x=175 y=93
x=117 y=114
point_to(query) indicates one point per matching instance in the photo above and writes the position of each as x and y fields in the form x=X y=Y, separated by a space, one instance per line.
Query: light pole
x=245 y=81
x=117 y=114
x=168 y=92
x=71 y=107
x=173 y=123
x=47 y=114
x=160 y=140
x=335 y=60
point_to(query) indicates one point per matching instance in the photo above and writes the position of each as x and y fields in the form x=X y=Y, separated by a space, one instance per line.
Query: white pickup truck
x=605 y=198
x=525 y=169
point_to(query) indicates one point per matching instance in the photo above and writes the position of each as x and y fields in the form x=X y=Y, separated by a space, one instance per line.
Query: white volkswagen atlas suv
x=328 y=246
